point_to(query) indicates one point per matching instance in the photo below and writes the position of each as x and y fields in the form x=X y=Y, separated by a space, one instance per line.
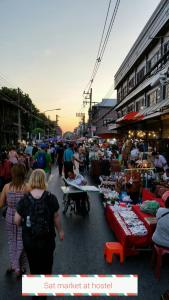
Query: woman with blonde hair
x=38 y=213
x=11 y=195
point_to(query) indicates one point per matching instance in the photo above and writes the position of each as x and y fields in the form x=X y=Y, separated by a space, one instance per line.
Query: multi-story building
x=101 y=115
x=142 y=81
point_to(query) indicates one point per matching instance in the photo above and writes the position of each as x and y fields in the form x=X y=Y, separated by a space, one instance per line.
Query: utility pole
x=90 y=102
x=82 y=117
x=83 y=122
x=19 y=118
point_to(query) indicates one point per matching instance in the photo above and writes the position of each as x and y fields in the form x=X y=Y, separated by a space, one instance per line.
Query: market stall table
x=149 y=220
x=129 y=241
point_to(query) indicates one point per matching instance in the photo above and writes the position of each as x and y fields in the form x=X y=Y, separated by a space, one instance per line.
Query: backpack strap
x=163 y=215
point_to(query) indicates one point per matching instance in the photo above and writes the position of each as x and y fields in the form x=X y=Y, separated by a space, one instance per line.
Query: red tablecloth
x=142 y=216
x=129 y=242
x=147 y=195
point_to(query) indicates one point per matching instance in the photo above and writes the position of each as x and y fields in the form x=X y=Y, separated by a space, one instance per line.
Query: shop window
x=119 y=96
x=124 y=91
x=124 y=111
x=119 y=114
x=153 y=61
x=148 y=65
x=131 y=83
x=167 y=91
x=155 y=58
x=166 y=47
x=140 y=75
x=152 y=98
x=131 y=108
x=139 y=104
x=165 y=50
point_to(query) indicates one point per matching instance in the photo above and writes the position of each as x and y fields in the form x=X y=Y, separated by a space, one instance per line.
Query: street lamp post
x=50 y=110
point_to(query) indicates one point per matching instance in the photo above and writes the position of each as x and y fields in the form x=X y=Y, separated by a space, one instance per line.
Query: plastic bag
x=150 y=207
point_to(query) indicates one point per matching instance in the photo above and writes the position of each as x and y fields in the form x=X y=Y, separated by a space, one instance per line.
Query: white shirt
x=165 y=178
x=160 y=162
x=134 y=153
x=78 y=180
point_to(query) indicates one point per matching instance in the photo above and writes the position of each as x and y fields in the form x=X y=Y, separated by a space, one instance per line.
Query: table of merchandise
x=132 y=232
x=112 y=188
x=147 y=219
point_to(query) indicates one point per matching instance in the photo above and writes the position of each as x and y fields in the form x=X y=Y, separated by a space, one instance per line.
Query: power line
x=106 y=38
x=102 y=45
x=98 y=53
x=110 y=28
x=97 y=60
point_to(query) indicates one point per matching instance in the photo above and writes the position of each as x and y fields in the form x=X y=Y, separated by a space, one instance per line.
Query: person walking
x=13 y=156
x=68 y=160
x=11 y=195
x=59 y=157
x=38 y=213
x=43 y=160
x=5 y=170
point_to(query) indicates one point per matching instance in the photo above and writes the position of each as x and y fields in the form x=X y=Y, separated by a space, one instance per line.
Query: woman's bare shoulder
x=7 y=187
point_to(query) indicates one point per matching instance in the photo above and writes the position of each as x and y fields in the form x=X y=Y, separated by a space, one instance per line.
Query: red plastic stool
x=158 y=253
x=111 y=248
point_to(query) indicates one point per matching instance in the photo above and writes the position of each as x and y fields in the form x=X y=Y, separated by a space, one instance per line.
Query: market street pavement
x=82 y=253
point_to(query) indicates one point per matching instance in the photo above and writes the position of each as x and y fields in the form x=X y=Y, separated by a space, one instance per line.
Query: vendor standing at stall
x=160 y=162
x=133 y=182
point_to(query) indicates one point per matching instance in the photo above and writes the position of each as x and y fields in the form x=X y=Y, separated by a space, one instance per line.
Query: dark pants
x=40 y=260
x=60 y=166
x=68 y=167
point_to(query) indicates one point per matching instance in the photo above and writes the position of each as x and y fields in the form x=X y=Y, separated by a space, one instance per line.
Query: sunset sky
x=48 y=49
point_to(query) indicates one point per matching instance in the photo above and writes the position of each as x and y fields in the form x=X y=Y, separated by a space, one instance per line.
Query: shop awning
x=132 y=116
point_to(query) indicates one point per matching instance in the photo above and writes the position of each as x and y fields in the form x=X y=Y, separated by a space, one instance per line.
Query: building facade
x=101 y=115
x=142 y=81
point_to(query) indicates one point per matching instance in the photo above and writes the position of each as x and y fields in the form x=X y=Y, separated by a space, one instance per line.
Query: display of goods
x=129 y=221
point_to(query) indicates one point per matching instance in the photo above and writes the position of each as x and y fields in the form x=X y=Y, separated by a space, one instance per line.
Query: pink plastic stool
x=158 y=254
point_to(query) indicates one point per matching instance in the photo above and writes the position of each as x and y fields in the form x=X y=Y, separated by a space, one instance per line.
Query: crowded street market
x=84 y=201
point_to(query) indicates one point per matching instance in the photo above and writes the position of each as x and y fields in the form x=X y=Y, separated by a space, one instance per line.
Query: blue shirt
x=68 y=155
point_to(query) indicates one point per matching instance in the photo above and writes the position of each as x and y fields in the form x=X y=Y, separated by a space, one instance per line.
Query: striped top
x=12 y=199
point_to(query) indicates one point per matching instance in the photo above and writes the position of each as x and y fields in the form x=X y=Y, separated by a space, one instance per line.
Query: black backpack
x=37 y=220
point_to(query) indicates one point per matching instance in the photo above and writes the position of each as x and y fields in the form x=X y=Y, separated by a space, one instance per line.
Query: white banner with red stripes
x=80 y=285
